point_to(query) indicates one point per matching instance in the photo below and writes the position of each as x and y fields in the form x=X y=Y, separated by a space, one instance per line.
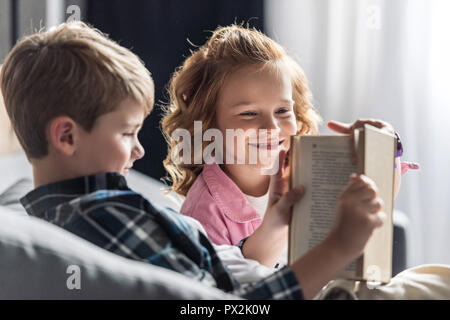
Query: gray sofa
x=42 y=261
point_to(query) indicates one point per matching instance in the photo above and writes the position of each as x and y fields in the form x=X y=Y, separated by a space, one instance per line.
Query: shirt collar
x=259 y=203
x=227 y=195
x=50 y=195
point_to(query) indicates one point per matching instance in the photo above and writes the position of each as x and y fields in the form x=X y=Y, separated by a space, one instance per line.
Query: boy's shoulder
x=102 y=201
x=84 y=195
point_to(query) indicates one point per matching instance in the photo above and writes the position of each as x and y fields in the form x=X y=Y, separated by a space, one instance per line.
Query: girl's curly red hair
x=194 y=89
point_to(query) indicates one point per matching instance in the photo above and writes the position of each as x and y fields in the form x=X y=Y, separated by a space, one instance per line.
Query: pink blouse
x=221 y=207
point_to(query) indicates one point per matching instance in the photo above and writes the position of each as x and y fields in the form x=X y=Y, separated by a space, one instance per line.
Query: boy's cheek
x=105 y=157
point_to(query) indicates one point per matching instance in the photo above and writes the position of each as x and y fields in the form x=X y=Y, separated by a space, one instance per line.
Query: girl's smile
x=269 y=145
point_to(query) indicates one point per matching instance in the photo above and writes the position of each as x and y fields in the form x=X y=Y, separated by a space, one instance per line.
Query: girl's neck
x=248 y=179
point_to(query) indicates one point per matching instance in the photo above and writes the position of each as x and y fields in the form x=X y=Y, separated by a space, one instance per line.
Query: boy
x=77 y=101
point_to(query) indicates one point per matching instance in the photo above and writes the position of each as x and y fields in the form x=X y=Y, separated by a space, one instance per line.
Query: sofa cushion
x=10 y=198
x=15 y=167
x=42 y=261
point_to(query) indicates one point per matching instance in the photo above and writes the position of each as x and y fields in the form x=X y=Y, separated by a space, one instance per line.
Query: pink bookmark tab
x=409 y=166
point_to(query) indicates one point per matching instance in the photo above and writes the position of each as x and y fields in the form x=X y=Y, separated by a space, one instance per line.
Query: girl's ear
x=63 y=135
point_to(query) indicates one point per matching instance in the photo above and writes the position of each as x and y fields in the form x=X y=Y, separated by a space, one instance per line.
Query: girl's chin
x=263 y=164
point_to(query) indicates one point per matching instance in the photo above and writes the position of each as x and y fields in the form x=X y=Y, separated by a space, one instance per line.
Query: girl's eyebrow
x=287 y=101
x=247 y=103
x=242 y=104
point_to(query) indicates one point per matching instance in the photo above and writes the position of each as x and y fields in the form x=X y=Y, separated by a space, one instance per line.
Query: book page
x=324 y=171
x=380 y=151
x=323 y=165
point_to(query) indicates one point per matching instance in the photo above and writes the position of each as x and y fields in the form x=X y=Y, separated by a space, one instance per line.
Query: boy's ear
x=63 y=135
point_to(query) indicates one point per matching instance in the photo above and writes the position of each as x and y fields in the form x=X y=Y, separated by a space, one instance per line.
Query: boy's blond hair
x=72 y=70
x=195 y=87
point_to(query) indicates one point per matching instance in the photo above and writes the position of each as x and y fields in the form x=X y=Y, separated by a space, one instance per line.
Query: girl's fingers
x=340 y=127
x=375 y=205
x=362 y=188
x=290 y=198
x=279 y=182
x=366 y=194
x=361 y=122
x=282 y=157
x=357 y=182
x=348 y=128
x=286 y=161
x=376 y=123
x=377 y=219
x=281 y=164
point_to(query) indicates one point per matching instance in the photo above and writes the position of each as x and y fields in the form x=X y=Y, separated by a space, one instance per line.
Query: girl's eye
x=283 y=110
x=129 y=134
x=248 y=114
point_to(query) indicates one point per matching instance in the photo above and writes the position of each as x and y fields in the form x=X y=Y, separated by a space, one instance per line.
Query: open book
x=323 y=165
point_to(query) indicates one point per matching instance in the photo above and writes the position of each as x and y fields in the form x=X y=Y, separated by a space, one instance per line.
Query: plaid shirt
x=103 y=210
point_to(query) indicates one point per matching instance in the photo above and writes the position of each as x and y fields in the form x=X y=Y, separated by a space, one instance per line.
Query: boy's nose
x=138 y=151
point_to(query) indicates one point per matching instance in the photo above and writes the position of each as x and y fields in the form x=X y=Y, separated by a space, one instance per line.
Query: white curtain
x=389 y=60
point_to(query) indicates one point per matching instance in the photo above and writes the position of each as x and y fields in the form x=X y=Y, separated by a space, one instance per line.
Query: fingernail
x=382 y=215
x=413 y=166
x=299 y=189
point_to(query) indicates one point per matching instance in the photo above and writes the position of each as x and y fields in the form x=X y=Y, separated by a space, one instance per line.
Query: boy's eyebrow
x=134 y=124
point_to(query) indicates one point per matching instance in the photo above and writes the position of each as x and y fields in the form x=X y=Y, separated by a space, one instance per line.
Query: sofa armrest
x=399 y=250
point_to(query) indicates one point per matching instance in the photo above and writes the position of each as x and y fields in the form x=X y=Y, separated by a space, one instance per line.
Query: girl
x=242 y=80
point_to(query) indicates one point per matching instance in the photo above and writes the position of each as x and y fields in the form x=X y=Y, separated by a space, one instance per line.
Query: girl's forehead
x=257 y=74
x=252 y=81
x=274 y=68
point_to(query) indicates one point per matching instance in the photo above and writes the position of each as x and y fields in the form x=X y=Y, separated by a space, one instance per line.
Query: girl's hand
x=358 y=213
x=267 y=243
x=382 y=125
x=346 y=128
x=281 y=199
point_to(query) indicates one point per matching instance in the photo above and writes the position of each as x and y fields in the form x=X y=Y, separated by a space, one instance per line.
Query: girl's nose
x=270 y=123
